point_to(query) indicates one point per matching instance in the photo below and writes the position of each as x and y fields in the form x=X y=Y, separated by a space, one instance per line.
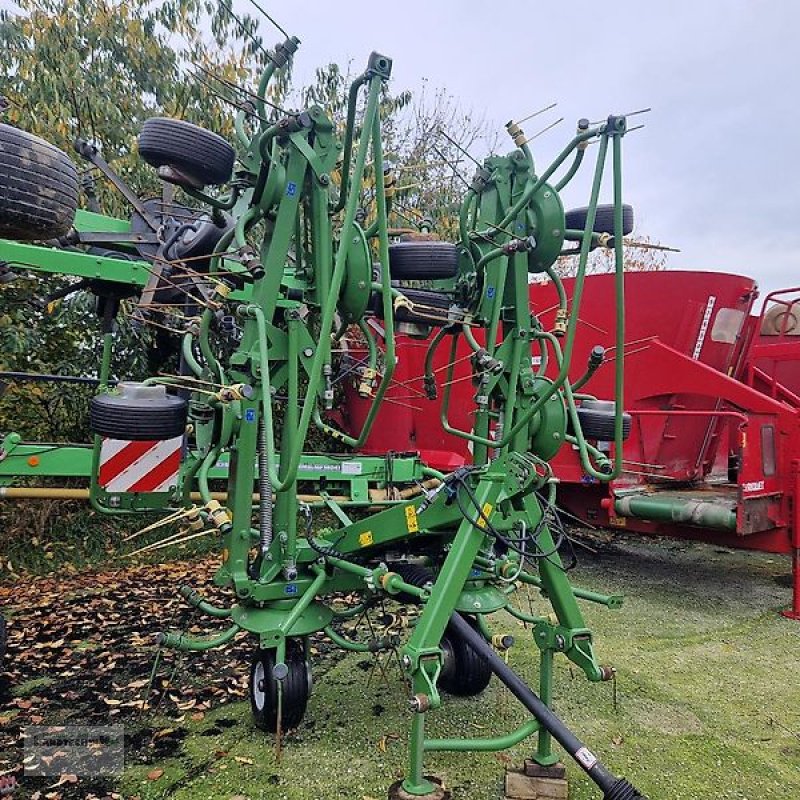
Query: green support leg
x=544 y=751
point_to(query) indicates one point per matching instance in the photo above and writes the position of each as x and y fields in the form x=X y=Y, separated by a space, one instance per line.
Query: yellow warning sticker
x=411 y=519
x=366 y=539
x=486 y=510
x=619 y=522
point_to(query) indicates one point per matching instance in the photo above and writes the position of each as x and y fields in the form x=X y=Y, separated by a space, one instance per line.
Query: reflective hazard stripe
x=149 y=466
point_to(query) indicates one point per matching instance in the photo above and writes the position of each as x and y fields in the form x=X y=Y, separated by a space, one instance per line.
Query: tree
x=98 y=68
x=639 y=255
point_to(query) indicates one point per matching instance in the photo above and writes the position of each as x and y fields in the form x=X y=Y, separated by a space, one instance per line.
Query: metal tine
x=238 y=88
x=544 y=130
x=155 y=324
x=244 y=30
x=629 y=114
x=651 y=246
x=190 y=378
x=173 y=517
x=536 y=113
x=279 y=27
x=173 y=285
x=463 y=150
x=169 y=543
x=235 y=103
x=451 y=165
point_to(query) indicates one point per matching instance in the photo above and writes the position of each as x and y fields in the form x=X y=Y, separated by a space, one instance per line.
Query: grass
x=707 y=700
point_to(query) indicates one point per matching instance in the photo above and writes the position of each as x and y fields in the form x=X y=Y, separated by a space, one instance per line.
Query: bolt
x=324 y=180
x=406 y=661
x=476 y=604
x=560 y=641
x=308 y=352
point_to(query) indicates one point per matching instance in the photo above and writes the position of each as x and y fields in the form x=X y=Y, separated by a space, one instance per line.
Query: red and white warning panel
x=146 y=466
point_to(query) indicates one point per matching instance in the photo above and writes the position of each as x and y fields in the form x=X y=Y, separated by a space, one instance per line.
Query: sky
x=712 y=172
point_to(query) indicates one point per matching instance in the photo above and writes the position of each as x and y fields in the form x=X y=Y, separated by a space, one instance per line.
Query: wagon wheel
x=38 y=187
x=295 y=676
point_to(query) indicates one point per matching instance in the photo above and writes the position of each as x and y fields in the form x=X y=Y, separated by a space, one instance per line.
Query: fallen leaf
x=243 y=760
x=154 y=774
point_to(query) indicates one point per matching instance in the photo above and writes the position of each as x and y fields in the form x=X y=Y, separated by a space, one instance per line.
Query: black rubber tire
x=131 y=419
x=597 y=420
x=575 y=219
x=415 y=574
x=38 y=187
x=296 y=688
x=198 y=153
x=464 y=673
x=420 y=261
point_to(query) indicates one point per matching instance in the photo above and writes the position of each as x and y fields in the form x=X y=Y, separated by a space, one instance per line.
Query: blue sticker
x=476 y=573
x=490 y=292
x=291 y=189
x=290 y=588
x=250 y=415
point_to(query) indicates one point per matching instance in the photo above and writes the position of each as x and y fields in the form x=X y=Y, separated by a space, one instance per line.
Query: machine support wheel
x=295 y=677
x=597 y=420
x=38 y=187
x=419 y=261
x=464 y=673
x=202 y=156
x=575 y=219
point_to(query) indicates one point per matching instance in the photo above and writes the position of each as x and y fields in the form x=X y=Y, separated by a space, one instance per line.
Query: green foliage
x=99 y=69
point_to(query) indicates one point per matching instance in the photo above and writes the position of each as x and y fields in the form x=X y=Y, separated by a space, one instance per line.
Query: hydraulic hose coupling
x=237 y=391
x=502 y=641
x=367 y=384
x=583 y=126
x=596 y=356
x=251 y=262
x=520 y=245
x=194 y=522
x=429 y=382
x=219 y=516
x=401 y=301
x=284 y=51
x=189 y=595
x=487 y=363
x=389 y=181
x=560 y=324
x=220 y=294
x=516 y=133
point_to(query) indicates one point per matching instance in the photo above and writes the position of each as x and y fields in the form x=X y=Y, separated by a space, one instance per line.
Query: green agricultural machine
x=258 y=278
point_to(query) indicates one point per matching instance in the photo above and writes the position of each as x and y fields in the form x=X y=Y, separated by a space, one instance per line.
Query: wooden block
x=519 y=786
x=534 y=770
